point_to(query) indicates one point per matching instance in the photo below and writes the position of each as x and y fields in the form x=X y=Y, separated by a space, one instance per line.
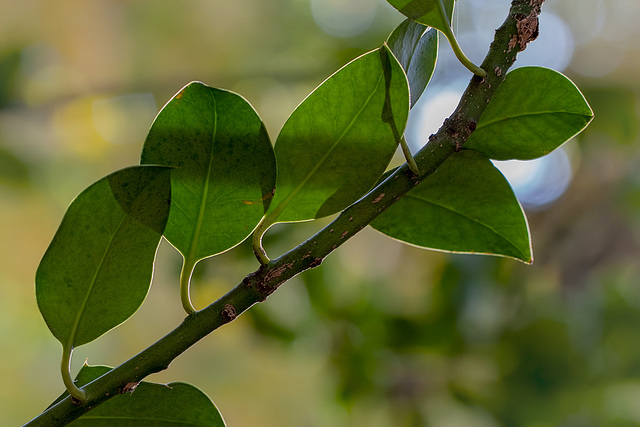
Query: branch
x=520 y=27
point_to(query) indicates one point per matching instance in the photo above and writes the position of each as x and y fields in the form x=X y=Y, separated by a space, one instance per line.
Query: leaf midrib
x=135 y=418
x=76 y=324
x=517 y=116
x=193 y=247
x=278 y=210
x=470 y=219
x=413 y=49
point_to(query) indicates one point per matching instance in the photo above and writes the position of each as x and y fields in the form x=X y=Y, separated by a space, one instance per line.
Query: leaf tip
x=526 y=257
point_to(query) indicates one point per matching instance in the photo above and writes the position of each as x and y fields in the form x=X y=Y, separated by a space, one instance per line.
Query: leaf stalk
x=65 y=370
x=185 y=280
x=256 y=240
x=457 y=50
x=411 y=162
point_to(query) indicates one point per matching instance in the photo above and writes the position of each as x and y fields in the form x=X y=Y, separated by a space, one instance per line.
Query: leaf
x=97 y=269
x=465 y=206
x=432 y=13
x=417 y=51
x=149 y=404
x=436 y=14
x=339 y=140
x=225 y=168
x=533 y=112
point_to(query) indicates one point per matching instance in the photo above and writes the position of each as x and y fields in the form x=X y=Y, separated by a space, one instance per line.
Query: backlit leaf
x=433 y=13
x=417 y=51
x=97 y=269
x=437 y=14
x=225 y=168
x=150 y=404
x=465 y=206
x=340 y=139
x=533 y=112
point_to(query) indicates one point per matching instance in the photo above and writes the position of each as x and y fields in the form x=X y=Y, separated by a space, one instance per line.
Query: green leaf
x=150 y=404
x=533 y=112
x=417 y=51
x=97 y=269
x=465 y=206
x=225 y=168
x=436 y=14
x=433 y=13
x=340 y=139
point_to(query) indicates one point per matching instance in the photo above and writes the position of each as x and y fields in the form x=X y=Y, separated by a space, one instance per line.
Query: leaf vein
x=479 y=222
x=518 y=116
x=303 y=182
x=76 y=323
x=205 y=189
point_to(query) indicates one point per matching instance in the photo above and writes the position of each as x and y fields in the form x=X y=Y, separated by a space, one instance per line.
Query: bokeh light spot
x=598 y=58
x=124 y=119
x=428 y=114
x=538 y=182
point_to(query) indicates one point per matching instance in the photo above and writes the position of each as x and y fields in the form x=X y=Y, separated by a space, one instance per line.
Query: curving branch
x=520 y=27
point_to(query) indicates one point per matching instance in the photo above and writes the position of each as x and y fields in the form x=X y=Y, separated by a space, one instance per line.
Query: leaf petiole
x=262 y=228
x=407 y=155
x=185 y=279
x=457 y=50
x=65 y=369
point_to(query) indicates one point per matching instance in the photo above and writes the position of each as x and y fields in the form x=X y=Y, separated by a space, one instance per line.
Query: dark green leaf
x=338 y=142
x=436 y=14
x=225 y=168
x=533 y=112
x=433 y=13
x=149 y=404
x=97 y=269
x=465 y=206
x=417 y=52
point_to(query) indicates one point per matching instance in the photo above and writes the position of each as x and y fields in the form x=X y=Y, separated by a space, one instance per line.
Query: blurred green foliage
x=381 y=334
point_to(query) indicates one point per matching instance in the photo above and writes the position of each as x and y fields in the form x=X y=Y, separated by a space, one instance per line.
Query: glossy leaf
x=533 y=112
x=97 y=269
x=339 y=140
x=465 y=206
x=433 y=13
x=225 y=168
x=436 y=14
x=417 y=51
x=150 y=404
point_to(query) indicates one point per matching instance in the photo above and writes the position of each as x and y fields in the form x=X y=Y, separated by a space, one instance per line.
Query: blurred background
x=382 y=334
